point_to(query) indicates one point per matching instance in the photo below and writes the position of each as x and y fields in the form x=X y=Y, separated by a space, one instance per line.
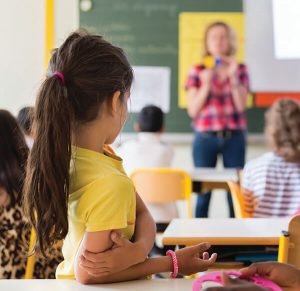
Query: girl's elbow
x=84 y=279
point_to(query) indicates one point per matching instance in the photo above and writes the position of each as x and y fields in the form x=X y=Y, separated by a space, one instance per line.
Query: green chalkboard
x=148 y=31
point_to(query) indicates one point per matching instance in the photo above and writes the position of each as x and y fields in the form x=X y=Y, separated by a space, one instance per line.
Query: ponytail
x=89 y=70
x=47 y=181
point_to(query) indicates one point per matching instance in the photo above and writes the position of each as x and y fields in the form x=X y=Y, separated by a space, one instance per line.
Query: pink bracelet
x=175 y=263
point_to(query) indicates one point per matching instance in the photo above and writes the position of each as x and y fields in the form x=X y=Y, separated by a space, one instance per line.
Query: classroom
x=150 y=145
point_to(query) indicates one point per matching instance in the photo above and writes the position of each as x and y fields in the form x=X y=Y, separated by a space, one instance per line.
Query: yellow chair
x=238 y=200
x=158 y=185
x=31 y=259
x=289 y=244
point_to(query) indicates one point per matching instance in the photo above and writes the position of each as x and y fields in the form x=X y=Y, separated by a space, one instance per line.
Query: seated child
x=14 y=228
x=148 y=151
x=76 y=185
x=271 y=183
x=25 y=118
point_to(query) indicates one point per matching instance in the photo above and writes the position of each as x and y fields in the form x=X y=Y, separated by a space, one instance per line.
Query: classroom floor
x=183 y=159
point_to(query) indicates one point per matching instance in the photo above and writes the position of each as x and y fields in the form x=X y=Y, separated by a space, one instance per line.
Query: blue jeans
x=206 y=148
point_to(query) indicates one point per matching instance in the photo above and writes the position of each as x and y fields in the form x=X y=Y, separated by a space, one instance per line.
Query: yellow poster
x=192 y=27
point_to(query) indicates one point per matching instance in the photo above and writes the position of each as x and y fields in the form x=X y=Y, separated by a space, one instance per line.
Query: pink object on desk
x=217 y=278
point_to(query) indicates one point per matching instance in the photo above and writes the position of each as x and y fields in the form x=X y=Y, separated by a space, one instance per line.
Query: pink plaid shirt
x=218 y=112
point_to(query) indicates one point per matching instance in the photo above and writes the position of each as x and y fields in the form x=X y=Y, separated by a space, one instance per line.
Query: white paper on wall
x=286 y=23
x=151 y=86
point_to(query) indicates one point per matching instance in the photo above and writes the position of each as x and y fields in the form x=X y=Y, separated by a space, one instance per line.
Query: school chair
x=238 y=200
x=31 y=259
x=158 y=185
x=289 y=243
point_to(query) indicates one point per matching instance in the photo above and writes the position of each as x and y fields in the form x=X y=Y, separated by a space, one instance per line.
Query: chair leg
x=31 y=259
x=283 y=248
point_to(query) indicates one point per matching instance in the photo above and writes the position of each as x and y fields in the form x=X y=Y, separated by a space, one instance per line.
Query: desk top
x=213 y=175
x=225 y=231
x=72 y=285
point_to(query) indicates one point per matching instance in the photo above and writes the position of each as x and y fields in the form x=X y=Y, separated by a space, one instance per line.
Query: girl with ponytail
x=76 y=189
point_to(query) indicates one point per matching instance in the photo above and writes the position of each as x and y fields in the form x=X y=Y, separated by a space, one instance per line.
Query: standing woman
x=217 y=102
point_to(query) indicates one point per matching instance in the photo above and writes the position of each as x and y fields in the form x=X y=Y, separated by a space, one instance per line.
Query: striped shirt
x=276 y=184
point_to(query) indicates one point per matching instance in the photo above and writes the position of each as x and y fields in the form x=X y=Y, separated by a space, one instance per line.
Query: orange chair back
x=158 y=185
x=238 y=200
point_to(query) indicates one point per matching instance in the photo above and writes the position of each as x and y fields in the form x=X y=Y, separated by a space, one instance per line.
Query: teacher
x=217 y=97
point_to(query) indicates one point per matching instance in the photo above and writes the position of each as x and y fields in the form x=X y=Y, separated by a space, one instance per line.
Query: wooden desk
x=226 y=231
x=71 y=285
x=206 y=179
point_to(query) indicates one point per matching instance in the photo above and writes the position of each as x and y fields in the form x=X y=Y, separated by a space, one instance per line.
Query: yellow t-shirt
x=102 y=197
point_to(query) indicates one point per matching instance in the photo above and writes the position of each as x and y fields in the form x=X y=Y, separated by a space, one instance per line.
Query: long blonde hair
x=232 y=48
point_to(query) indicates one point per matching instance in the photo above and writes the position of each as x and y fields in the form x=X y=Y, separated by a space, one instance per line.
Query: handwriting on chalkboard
x=167 y=49
x=115 y=27
x=149 y=9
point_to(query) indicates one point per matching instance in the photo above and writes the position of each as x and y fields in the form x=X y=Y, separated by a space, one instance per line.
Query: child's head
x=283 y=129
x=13 y=153
x=25 y=118
x=219 y=40
x=88 y=82
x=150 y=119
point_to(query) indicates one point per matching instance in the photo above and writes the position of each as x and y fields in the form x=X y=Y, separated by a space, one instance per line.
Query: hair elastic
x=60 y=76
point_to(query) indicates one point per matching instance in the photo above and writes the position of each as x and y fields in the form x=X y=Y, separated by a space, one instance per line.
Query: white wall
x=22 y=30
x=266 y=72
x=67 y=19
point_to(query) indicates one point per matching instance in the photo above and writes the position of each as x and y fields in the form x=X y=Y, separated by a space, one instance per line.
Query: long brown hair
x=283 y=129
x=232 y=48
x=93 y=70
x=13 y=157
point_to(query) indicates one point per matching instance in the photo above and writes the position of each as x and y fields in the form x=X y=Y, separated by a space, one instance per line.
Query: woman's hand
x=121 y=256
x=232 y=67
x=284 y=275
x=235 y=285
x=194 y=259
x=206 y=76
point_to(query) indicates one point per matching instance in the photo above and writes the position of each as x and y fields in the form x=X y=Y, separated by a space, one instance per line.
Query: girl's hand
x=284 y=275
x=121 y=256
x=206 y=76
x=194 y=259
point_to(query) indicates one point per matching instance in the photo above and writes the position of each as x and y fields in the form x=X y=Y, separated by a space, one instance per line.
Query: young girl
x=14 y=228
x=81 y=107
x=271 y=183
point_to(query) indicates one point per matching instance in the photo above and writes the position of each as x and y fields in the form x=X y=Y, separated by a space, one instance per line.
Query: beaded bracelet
x=175 y=263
